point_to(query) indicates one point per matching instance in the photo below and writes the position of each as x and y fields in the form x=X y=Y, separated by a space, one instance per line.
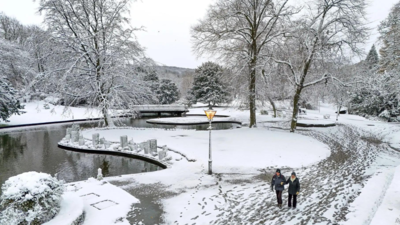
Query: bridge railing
x=160 y=108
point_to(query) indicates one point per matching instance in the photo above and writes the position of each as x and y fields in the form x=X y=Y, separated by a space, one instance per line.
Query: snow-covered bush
x=9 y=103
x=30 y=198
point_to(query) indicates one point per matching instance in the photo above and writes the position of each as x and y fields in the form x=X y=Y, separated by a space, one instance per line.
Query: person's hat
x=293 y=173
x=278 y=170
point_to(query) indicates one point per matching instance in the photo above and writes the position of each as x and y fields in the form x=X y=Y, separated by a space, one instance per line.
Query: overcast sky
x=168 y=22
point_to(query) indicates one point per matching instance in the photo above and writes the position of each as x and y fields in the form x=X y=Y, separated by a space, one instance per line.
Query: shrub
x=30 y=199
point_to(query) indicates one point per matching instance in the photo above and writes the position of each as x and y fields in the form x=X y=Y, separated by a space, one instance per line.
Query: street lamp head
x=210 y=113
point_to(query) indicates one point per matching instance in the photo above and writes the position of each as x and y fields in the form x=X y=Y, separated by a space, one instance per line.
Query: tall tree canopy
x=99 y=52
x=237 y=32
x=324 y=32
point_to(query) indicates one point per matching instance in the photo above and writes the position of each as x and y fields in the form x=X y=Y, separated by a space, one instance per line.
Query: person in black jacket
x=278 y=181
x=294 y=189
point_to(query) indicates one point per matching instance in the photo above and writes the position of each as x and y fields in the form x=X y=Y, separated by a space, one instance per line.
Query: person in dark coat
x=294 y=189
x=278 y=181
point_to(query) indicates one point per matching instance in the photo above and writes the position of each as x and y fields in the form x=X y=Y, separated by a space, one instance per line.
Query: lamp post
x=210 y=113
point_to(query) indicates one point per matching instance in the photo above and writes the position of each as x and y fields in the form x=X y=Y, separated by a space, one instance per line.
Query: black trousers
x=294 y=200
x=279 y=196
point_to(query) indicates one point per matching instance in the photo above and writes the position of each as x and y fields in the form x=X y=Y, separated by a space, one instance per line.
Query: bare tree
x=11 y=29
x=99 y=51
x=325 y=30
x=237 y=31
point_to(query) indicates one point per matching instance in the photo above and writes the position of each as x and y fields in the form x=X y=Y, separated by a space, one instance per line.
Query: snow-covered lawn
x=103 y=203
x=36 y=113
x=237 y=150
x=71 y=210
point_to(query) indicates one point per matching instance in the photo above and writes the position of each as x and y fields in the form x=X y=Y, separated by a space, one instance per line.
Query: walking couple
x=279 y=182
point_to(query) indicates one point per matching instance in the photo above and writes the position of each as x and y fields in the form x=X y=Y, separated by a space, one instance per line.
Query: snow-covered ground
x=348 y=173
x=103 y=202
x=350 y=183
x=241 y=150
x=389 y=210
x=36 y=113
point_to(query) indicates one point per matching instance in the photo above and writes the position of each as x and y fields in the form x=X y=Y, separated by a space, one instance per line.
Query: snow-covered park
x=348 y=172
x=224 y=112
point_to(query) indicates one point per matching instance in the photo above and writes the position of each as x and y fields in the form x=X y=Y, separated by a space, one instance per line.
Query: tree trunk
x=295 y=109
x=338 y=111
x=105 y=115
x=273 y=105
x=252 y=97
x=108 y=122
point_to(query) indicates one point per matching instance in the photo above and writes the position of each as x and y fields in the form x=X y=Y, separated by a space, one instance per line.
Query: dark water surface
x=35 y=149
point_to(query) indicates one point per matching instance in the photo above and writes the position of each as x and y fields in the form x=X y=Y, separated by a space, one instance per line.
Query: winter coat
x=294 y=186
x=276 y=182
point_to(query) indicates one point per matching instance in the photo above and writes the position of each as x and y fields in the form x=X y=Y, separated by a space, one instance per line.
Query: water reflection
x=35 y=149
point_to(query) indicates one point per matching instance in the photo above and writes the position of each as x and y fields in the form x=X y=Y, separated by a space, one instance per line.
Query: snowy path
x=327 y=189
x=328 y=194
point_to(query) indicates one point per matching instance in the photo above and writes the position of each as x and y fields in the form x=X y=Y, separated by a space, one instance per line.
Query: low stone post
x=74 y=136
x=146 y=147
x=153 y=146
x=107 y=144
x=162 y=154
x=124 y=141
x=81 y=141
x=95 y=139
x=68 y=137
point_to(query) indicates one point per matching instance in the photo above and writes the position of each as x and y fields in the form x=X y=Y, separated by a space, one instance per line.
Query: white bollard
x=99 y=174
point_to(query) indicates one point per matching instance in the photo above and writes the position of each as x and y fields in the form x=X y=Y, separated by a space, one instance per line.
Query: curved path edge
x=192 y=123
x=315 y=125
x=129 y=155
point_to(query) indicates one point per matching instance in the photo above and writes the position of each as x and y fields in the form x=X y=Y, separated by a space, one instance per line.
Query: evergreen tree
x=151 y=76
x=389 y=30
x=207 y=85
x=372 y=59
x=9 y=104
x=167 y=92
x=151 y=79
